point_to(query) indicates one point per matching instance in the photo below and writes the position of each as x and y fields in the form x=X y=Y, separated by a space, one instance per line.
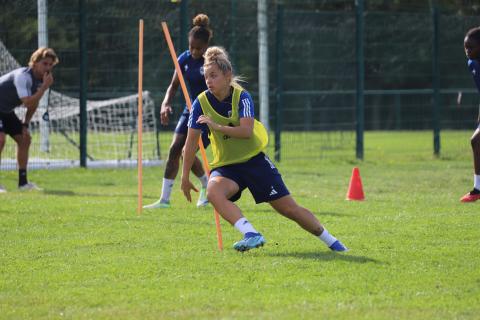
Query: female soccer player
x=471 y=44
x=238 y=161
x=191 y=63
x=24 y=86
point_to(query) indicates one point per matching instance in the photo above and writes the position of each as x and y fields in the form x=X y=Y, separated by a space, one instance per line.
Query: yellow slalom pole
x=140 y=114
x=189 y=105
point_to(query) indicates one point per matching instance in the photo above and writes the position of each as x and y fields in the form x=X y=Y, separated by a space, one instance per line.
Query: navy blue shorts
x=10 y=124
x=182 y=127
x=259 y=175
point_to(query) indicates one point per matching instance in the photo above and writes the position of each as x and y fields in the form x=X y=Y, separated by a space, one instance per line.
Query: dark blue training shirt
x=14 y=86
x=192 y=70
x=474 y=67
x=224 y=108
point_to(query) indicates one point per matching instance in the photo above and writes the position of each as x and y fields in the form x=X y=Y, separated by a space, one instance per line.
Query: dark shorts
x=259 y=175
x=10 y=124
x=182 y=127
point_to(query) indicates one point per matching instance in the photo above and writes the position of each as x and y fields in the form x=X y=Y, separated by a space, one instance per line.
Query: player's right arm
x=190 y=149
x=166 y=108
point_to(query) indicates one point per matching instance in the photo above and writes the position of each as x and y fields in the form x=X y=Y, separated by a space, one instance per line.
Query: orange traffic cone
x=355 y=189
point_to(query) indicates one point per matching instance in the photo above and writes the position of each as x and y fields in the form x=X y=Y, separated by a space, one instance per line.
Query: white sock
x=167 y=187
x=327 y=238
x=244 y=226
x=203 y=180
x=476 y=181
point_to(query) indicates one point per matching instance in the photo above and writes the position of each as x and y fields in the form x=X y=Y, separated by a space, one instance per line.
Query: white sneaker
x=2 y=189
x=29 y=186
x=202 y=198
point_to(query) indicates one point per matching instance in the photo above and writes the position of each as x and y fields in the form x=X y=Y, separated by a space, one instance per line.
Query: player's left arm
x=31 y=101
x=29 y=114
x=242 y=131
x=246 y=113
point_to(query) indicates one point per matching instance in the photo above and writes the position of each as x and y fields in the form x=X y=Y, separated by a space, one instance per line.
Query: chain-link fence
x=312 y=54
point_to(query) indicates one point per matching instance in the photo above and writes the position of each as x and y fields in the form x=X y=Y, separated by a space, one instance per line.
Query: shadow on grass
x=69 y=193
x=325 y=256
x=316 y=213
x=330 y=213
x=60 y=192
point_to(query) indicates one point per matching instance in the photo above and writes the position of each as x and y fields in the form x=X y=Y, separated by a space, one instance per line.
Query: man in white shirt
x=24 y=86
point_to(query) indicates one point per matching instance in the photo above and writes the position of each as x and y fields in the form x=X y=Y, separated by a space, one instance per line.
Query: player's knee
x=215 y=193
x=212 y=191
x=24 y=142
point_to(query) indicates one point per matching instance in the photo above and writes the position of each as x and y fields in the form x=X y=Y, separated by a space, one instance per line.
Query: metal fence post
x=183 y=25
x=360 y=101
x=278 y=76
x=83 y=82
x=398 y=111
x=436 y=85
x=233 y=25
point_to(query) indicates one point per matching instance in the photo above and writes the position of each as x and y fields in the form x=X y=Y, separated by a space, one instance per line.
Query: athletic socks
x=476 y=181
x=203 y=180
x=167 y=187
x=244 y=226
x=22 y=177
x=327 y=238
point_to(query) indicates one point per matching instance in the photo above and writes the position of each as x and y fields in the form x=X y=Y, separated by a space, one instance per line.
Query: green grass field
x=78 y=250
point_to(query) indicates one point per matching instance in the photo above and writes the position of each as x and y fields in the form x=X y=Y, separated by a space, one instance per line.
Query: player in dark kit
x=472 y=51
x=24 y=86
x=237 y=142
x=191 y=63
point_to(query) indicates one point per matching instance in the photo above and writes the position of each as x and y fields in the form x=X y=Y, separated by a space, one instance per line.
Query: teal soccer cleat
x=250 y=241
x=160 y=204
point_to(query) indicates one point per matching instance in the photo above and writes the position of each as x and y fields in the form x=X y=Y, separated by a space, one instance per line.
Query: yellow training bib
x=228 y=150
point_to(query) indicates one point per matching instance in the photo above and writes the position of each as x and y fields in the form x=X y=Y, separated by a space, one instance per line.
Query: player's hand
x=207 y=120
x=165 y=112
x=187 y=186
x=47 y=80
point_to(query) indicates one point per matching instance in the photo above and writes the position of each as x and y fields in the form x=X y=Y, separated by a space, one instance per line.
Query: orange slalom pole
x=189 y=105
x=140 y=114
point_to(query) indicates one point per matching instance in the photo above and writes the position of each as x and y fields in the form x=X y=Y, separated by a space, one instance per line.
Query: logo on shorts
x=273 y=191
x=269 y=162
x=1 y=124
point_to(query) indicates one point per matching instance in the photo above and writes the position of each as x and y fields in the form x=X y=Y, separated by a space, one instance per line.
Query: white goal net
x=111 y=130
